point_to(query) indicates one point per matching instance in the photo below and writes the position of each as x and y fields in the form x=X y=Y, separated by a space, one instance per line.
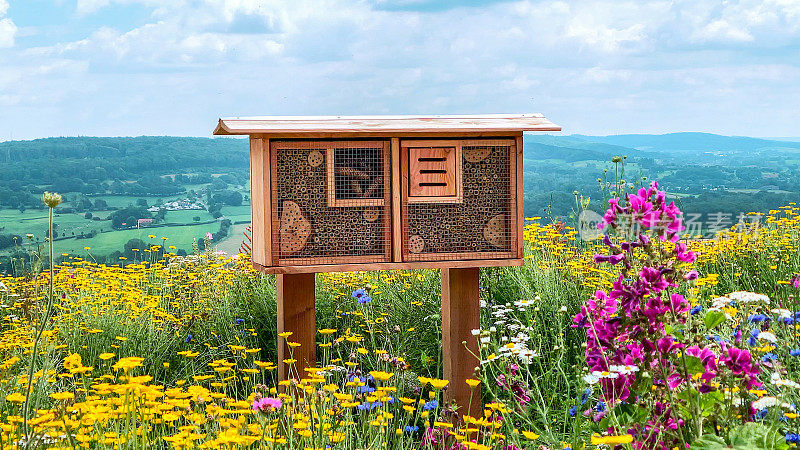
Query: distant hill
x=686 y=142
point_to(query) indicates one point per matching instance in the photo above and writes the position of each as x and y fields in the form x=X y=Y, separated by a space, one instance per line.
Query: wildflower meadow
x=643 y=338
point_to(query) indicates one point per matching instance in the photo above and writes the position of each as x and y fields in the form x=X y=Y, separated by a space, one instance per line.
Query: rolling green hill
x=108 y=183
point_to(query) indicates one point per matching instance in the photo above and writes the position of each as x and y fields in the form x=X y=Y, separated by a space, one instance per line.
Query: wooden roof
x=384 y=124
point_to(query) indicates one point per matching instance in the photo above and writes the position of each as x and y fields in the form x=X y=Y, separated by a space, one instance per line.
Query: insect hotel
x=334 y=194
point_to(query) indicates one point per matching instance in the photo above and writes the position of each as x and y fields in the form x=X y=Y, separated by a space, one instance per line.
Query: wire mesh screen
x=330 y=202
x=481 y=224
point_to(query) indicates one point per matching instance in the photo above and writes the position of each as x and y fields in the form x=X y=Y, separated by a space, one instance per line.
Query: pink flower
x=209 y=236
x=797 y=282
x=267 y=404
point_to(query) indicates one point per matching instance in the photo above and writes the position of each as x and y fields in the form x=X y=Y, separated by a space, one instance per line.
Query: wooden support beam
x=296 y=313
x=461 y=315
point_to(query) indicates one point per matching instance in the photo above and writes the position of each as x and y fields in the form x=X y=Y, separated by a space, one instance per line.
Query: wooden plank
x=408 y=143
x=296 y=313
x=519 y=197
x=404 y=201
x=397 y=236
x=389 y=124
x=258 y=192
x=425 y=134
x=387 y=196
x=267 y=196
x=273 y=194
x=431 y=172
x=461 y=315
x=365 y=267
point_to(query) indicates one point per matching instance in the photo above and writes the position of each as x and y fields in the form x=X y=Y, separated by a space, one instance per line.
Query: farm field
x=182 y=351
x=181 y=230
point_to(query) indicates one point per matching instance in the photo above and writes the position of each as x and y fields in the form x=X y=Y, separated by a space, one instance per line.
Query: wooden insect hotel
x=337 y=193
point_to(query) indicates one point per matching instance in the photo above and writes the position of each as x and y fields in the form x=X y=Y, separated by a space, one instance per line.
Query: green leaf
x=709 y=442
x=694 y=365
x=714 y=319
x=757 y=436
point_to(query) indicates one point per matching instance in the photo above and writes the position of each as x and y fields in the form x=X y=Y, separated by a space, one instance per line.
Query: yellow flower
x=380 y=375
x=612 y=440
x=530 y=435
x=16 y=397
x=62 y=396
x=73 y=361
x=473 y=382
x=128 y=363
x=106 y=355
x=438 y=384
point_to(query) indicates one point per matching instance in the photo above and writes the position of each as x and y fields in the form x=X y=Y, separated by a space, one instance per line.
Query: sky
x=173 y=67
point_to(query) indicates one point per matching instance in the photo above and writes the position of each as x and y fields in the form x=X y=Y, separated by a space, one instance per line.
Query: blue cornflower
x=751 y=341
x=696 y=310
x=573 y=411
x=410 y=428
x=239 y=321
x=367 y=406
x=769 y=357
x=788 y=320
x=188 y=337
x=756 y=318
x=365 y=299
x=761 y=414
x=585 y=395
x=366 y=388
x=430 y=405
x=794 y=352
x=358 y=293
x=600 y=407
x=792 y=438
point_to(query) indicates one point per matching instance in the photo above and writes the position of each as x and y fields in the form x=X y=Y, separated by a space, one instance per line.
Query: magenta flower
x=682 y=254
x=797 y=282
x=266 y=404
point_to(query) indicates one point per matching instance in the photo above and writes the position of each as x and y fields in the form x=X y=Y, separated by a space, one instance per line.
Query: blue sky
x=134 y=67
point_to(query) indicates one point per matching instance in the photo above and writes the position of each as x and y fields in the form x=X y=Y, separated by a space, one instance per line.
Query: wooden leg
x=461 y=315
x=296 y=313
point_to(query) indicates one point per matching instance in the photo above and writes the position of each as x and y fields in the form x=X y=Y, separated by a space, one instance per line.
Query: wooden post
x=296 y=313
x=461 y=315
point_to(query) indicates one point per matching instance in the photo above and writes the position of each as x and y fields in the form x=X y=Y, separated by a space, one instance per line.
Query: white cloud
x=595 y=66
x=7 y=32
x=90 y=6
x=7 y=28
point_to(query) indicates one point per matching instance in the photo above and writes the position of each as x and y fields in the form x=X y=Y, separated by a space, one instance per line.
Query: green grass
x=237 y=213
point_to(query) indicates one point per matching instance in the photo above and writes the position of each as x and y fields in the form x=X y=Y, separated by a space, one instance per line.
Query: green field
x=180 y=234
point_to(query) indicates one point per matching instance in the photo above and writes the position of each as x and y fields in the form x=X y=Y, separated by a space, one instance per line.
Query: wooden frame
x=515 y=222
x=260 y=180
x=454 y=161
x=276 y=145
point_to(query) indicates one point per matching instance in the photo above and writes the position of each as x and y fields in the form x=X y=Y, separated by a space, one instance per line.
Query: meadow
x=180 y=228
x=644 y=340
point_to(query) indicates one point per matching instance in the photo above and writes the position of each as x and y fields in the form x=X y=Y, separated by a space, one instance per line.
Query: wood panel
x=519 y=198
x=363 y=267
x=431 y=172
x=260 y=201
x=397 y=229
x=386 y=124
x=461 y=315
x=297 y=314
